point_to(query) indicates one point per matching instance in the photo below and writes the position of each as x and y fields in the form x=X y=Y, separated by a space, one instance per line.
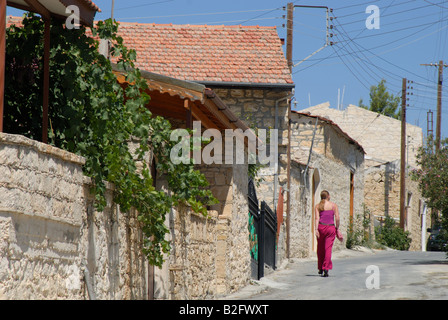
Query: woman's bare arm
x=336 y=215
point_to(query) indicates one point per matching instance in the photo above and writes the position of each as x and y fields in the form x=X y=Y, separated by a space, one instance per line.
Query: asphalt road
x=357 y=275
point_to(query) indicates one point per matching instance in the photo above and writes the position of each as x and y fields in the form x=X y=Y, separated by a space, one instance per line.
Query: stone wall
x=41 y=209
x=382 y=187
x=265 y=108
x=210 y=255
x=53 y=243
x=257 y=107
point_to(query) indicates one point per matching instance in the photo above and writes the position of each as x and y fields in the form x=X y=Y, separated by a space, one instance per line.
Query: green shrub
x=392 y=235
x=358 y=233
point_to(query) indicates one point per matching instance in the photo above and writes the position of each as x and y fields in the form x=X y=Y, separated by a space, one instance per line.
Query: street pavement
x=362 y=274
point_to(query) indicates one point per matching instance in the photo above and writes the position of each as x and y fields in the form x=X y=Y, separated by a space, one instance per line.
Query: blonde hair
x=323 y=196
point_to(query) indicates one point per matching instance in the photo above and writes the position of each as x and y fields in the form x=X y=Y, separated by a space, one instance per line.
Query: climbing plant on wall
x=92 y=115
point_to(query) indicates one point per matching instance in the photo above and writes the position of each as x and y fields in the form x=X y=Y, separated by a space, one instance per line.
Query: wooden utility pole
x=440 y=65
x=403 y=155
x=112 y=10
x=289 y=33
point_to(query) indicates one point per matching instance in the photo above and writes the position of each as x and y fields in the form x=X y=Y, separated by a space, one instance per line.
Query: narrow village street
x=402 y=275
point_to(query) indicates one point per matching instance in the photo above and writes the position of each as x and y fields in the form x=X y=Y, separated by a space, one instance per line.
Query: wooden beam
x=199 y=115
x=219 y=115
x=2 y=58
x=39 y=8
x=189 y=118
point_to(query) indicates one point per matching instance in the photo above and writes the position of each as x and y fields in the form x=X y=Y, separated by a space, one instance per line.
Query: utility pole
x=440 y=65
x=112 y=10
x=403 y=154
x=289 y=34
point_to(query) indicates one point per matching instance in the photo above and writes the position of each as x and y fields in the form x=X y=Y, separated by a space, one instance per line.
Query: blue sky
x=410 y=33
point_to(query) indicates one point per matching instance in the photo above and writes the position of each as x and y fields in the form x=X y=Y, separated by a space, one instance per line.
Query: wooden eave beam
x=219 y=115
x=199 y=115
x=36 y=6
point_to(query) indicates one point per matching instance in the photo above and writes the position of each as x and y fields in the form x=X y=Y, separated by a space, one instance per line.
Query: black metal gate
x=262 y=234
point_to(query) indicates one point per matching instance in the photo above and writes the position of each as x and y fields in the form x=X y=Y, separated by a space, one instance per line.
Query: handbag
x=339 y=235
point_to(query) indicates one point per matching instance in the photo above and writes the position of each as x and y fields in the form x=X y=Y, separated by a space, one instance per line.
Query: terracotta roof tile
x=249 y=54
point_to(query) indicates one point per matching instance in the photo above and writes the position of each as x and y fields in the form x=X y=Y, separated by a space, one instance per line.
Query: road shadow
x=427 y=262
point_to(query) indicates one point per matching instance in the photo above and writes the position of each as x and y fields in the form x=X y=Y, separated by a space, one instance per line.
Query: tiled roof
x=92 y=5
x=209 y=53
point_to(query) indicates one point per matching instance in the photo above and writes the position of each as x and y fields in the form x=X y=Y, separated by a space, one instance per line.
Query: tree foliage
x=382 y=101
x=93 y=116
x=432 y=174
x=432 y=178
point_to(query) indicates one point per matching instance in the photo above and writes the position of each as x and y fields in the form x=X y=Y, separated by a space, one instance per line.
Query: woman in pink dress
x=326 y=223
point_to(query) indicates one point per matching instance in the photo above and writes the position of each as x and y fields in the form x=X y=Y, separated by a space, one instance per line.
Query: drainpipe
x=288 y=167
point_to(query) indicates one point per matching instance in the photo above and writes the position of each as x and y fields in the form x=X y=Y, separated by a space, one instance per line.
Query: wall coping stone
x=15 y=139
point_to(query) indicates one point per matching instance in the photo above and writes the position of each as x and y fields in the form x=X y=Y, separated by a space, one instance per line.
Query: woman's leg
x=321 y=247
x=330 y=234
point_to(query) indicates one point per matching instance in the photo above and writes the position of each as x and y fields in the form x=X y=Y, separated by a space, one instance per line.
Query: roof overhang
x=58 y=9
x=248 y=85
x=335 y=126
x=174 y=98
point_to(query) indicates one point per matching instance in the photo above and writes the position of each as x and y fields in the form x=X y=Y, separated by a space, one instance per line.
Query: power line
x=390 y=14
x=355 y=13
x=435 y=4
x=205 y=14
x=141 y=5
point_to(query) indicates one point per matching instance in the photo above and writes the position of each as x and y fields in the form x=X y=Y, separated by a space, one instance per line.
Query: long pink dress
x=327 y=234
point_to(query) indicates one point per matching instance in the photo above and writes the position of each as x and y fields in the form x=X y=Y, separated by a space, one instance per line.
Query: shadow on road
x=427 y=262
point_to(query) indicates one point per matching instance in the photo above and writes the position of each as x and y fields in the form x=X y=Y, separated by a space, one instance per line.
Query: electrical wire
x=205 y=14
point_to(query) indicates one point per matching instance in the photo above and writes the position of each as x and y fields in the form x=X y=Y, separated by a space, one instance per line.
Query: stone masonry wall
x=382 y=188
x=41 y=208
x=50 y=233
x=54 y=244
x=209 y=255
x=256 y=107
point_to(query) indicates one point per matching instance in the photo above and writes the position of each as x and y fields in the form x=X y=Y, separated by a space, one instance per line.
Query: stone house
x=243 y=65
x=380 y=137
x=324 y=158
